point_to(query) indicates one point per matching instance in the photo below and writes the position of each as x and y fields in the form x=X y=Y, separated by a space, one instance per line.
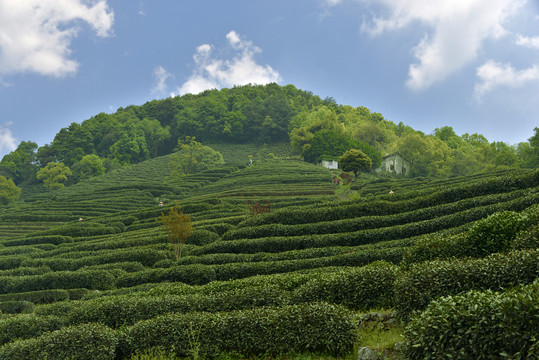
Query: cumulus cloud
x=7 y=141
x=213 y=73
x=531 y=42
x=493 y=74
x=35 y=35
x=161 y=76
x=457 y=30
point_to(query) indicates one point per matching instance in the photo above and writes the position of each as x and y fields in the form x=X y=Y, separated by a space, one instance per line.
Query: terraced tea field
x=86 y=272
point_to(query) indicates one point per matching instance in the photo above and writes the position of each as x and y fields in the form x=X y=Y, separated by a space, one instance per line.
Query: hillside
x=86 y=271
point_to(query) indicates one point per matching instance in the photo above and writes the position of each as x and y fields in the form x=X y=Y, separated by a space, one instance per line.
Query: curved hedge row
x=91 y=279
x=83 y=342
x=279 y=244
x=298 y=328
x=424 y=282
x=397 y=203
x=369 y=222
x=477 y=325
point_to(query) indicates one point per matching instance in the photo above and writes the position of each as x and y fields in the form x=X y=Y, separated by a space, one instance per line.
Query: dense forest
x=316 y=128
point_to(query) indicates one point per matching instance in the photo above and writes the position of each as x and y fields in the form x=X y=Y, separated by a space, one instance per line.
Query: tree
x=193 y=157
x=355 y=160
x=9 y=192
x=20 y=164
x=54 y=175
x=178 y=227
x=88 y=166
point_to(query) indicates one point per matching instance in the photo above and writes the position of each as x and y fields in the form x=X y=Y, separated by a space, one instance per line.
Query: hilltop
x=315 y=128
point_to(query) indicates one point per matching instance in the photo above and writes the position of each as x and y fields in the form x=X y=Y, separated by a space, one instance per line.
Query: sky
x=469 y=64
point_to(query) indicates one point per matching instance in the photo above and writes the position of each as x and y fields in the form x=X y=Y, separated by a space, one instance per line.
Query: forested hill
x=259 y=114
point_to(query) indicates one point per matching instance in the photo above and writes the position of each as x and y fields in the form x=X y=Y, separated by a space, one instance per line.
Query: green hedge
x=477 y=325
x=83 y=342
x=424 y=282
x=363 y=288
x=370 y=222
x=117 y=311
x=279 y=244
x=397 y=203
x=45 y=239
x=270 y=331
x=16 y=307
x=91 y=279
x=27 y=326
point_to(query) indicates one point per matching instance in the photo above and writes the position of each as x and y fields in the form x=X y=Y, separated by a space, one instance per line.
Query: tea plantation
x=86 y=271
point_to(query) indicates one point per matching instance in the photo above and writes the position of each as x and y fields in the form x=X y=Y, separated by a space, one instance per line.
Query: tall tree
x=54 y=175
x=193 y=157
x=355 y=160
x=20 y=164
x=9 y=192
x=178 y=228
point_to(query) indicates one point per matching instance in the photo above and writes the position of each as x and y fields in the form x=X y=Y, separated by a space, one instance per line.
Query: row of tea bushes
x=369 y=222
x=424 y=282
x=279 y=244
x=46 y=296
x=91 y=279
x=393 y=204
x=497 y=233
x=318 y=328
x=477 y=325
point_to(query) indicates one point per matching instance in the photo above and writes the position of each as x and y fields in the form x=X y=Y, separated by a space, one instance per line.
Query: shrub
x=16 y=307
x=27 y=326
x=38 y=297
x=526 y=239
x=424 y=282
x=477 y=325
x=202 y=237
x=439 y=246
x=494 y=233
x=270 y=331
x=88 y=341
x=363 y=288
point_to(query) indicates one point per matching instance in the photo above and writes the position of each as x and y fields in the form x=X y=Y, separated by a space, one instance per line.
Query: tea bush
x=424 y=282
x=84 y=342
x=297 y=328
x=477 y=325
x=27 y=326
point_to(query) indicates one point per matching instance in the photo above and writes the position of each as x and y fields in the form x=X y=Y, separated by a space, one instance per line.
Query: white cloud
x=531 y=42
x=332 y=2
x=493 y=74
x=161 y=76
x=242 y=69
x=457 y=31
x=35 y=35
x=7 y=141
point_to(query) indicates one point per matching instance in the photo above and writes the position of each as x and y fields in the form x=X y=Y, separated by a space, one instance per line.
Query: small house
x=329 y=164
x=395 y=164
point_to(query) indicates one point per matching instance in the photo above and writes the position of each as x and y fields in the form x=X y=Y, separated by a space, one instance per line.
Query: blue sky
x=469 y=64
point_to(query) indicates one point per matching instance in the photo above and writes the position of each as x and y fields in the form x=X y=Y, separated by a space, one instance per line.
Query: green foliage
x=424 y=282
x=193 y=157
x=495 y=233
x=477 y=325
x=178 y=228
x=88 y=166
x=355 y=160
x=9 y=192
x=527 y=238
x=27 y=326
x=16 y=307
x=19 y=165
x=54 y=175
x=312 y=327
x=88 y=341
x=362 y=289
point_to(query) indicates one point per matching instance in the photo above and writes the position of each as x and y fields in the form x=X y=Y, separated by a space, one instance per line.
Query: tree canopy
x=54 y=175
x=9 y=192
x=355 y=160
x=193 y=157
